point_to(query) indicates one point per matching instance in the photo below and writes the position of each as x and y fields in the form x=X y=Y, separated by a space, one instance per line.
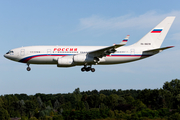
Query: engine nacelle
x=83 y=58
x=66 y=61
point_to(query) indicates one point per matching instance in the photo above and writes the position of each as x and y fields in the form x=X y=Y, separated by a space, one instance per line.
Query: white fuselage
x=50 y=54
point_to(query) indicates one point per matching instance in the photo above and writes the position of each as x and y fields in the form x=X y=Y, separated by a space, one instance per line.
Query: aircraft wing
x=108 y=50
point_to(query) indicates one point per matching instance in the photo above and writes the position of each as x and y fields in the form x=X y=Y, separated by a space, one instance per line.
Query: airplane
x=86 y=56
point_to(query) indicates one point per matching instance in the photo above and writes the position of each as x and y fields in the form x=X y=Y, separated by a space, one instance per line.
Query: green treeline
x=147 y=104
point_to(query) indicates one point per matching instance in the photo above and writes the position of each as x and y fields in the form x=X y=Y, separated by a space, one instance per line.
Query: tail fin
x=155 y=37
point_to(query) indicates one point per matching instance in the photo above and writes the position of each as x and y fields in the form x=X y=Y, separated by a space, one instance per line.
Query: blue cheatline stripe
x=26 y=59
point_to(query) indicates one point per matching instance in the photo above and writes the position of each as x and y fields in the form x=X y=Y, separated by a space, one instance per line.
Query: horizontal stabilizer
x=159 y=49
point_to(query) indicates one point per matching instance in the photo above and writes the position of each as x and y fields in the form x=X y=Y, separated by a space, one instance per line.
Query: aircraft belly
x=118 y=60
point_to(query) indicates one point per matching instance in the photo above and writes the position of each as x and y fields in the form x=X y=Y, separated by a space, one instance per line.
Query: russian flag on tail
x=156 y=31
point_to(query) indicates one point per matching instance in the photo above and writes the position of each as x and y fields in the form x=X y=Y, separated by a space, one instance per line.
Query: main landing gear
x=28 y=68
x=87 y=69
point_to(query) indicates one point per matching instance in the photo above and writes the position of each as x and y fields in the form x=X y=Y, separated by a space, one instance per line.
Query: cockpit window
x=10 y=52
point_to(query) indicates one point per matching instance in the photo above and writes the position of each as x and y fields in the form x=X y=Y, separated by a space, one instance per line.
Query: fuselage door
x=22 y=52
x=48 y=51
x=132 y=51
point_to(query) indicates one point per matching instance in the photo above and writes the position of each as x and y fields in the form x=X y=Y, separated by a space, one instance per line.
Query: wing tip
x=170 y=46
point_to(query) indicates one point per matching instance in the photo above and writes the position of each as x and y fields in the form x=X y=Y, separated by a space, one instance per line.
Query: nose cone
x=5 y=55
x=10 y=57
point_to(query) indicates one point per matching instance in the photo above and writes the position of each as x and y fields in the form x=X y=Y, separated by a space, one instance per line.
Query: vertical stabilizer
x=155 y=37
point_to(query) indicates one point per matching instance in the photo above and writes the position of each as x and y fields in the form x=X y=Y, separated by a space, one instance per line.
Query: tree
x=130 y=100
x=93 y=101
x=45 y=118
x=57 y=117
x=33 y=118
x=169 y=99
x=84 y=97
x=22 y=96
x=102 y=97
x=86 y=105
x=56 y=104
x=30 y=107
x=45 y=112
x=4 y=115
x=1 y=102
x=173 y=86
x=145 y=97
x=20 y=106
x=66 y=106
x=9 y=104
x=175 y=116
x=77 y=95
x=139 y=105
x=49 y=103
x=61 y=99
x=40 y=103
x=94 y=91
x=112 y=101
x=80 y=105
x=178 y=100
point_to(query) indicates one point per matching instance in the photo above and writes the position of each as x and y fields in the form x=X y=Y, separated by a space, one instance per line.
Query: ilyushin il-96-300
x=86 y=56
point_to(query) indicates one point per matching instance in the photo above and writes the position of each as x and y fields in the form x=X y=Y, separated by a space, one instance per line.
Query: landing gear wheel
x=88 y=69
x=28 y=68
x=83 y=69
x=92 y=70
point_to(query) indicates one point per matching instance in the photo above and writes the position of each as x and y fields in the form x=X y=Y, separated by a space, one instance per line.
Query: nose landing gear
x=87 y=69
x=28 y=68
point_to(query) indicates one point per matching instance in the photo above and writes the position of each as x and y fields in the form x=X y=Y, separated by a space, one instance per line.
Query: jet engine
x=83 y=58
x=66 y=61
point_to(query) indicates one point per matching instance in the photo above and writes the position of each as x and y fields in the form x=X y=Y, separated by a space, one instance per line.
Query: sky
x=88 y=23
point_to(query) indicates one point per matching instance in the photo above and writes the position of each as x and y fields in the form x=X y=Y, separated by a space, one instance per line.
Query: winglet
x=124 y=41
